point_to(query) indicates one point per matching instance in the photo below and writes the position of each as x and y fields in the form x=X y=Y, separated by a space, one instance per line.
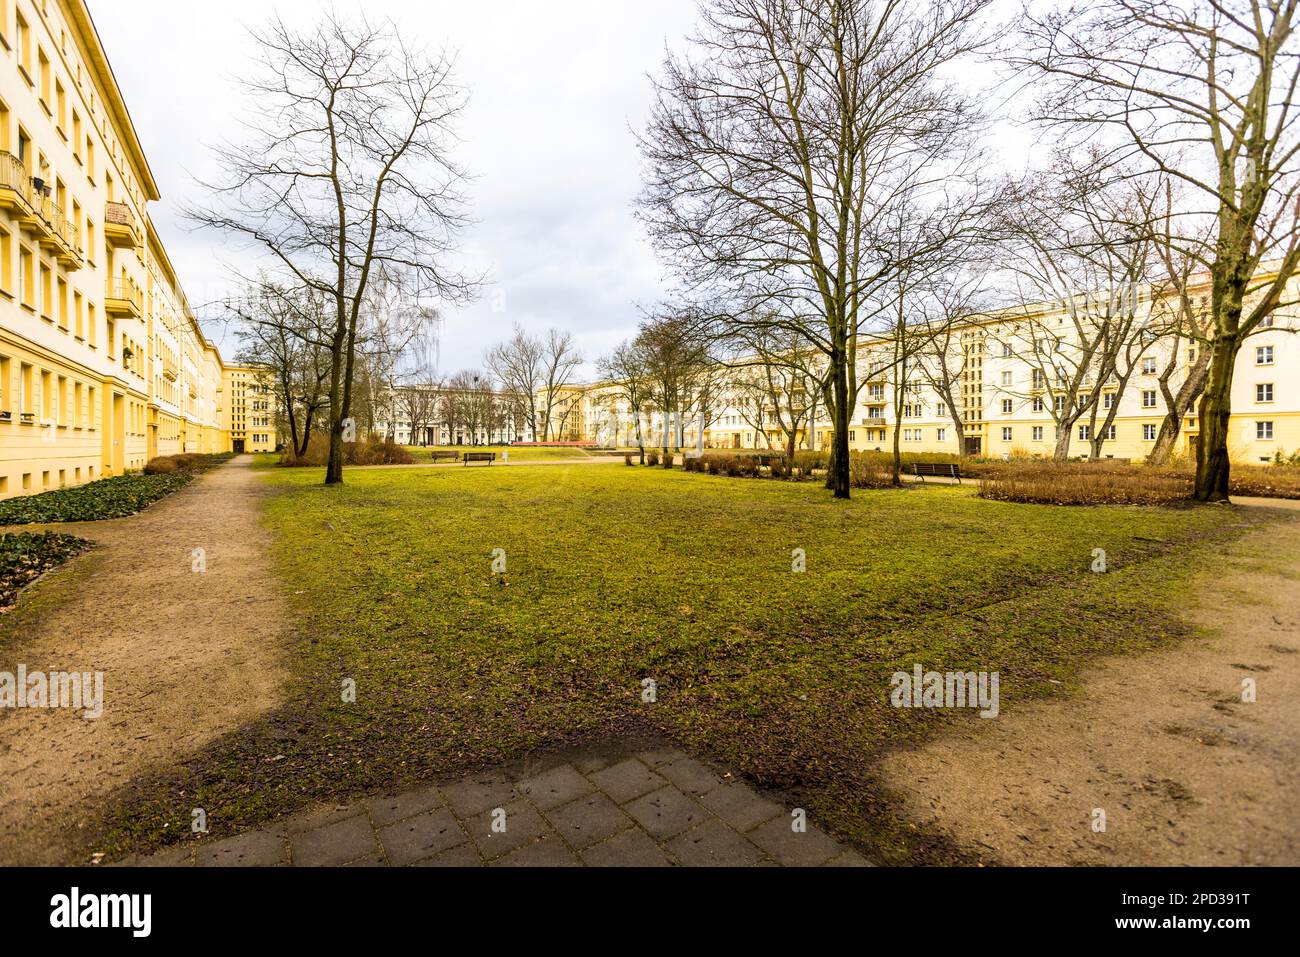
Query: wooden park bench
x=488 y=457
x=444 y=454
x=937 y=469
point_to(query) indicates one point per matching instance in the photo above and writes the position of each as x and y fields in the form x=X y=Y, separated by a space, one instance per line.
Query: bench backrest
x=480 y=456
x=936 y=468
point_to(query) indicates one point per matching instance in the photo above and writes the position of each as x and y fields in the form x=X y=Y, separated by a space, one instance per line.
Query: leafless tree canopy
x=775 y=150
x=1202 y=92
x=344 y=174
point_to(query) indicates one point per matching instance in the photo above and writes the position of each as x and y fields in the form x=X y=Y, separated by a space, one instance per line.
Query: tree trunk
x=839 y=465
x=897 y=464
x=1212 y=465
x=1062 y=451
x=1177 y=407
x=300 y=446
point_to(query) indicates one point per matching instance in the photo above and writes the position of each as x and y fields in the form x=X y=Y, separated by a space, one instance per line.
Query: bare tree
x=1185 y=325
x=521 y=365
x=1202 y=92
x=345 y=173
x=284 y=330
x=942 y=358
x=627 y=370
x=784 y=385
x=418 y=405
x=471 y=402
x=676 y=360
x=560 y=360
x=1081 y=254
x=772 y=153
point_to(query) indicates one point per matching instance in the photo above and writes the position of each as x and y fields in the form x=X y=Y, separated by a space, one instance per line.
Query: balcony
x=28 y=198
x=120 y=228
x=122 y=297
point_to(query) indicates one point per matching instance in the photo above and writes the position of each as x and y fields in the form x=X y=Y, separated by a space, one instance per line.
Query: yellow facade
x=1003 y=408
x=102 y=362
x=248 y=415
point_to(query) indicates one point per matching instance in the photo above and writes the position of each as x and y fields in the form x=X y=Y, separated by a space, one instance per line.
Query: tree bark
x=1212 y=464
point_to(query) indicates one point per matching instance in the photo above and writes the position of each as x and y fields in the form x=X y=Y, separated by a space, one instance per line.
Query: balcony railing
x=119 y=225
x=37 y=212
x=123 y=297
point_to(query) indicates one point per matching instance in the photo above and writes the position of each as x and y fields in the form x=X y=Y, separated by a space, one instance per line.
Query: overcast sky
x=555 y=90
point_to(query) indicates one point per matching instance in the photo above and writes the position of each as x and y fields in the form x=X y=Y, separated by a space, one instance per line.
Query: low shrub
x=652 y=459
x=1083 y=483
x=627 y=459
x=806 y=461
x=161 y=465
x=184 y=462
x=114 y=497
x=25 y=556
x=1265 y=481
x=870 y=470
x=669 y=459
x=373 y=451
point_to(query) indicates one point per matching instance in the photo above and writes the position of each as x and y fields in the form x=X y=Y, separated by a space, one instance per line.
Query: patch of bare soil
x=186 y=655
x=1185 y=772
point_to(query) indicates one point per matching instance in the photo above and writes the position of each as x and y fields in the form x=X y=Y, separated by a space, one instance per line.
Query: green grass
x=25 y=556
x=616 y=575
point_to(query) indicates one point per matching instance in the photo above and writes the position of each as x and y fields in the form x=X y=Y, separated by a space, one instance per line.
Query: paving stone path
x=651 y=809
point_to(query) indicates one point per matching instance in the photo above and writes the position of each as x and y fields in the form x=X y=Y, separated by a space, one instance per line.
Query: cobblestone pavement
x=651 y=809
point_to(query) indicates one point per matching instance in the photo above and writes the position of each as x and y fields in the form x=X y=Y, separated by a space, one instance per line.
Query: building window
x=1109 y=434
x=27 y=277
x=1006 y=378
x=1264 y=430
x=1148 y=432
x=1038 y=403
x=1107 y=400
x=1148 y=398
x=941 y=435
x=7 y=261
x=1037 y=433
x=1148 y=366
x=1085 y=433
x=1263 y=355
x=1006 y=433
x=1006 y=406
x=1264 y=392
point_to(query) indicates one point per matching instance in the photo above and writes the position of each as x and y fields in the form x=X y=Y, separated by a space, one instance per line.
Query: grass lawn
x=619 y=574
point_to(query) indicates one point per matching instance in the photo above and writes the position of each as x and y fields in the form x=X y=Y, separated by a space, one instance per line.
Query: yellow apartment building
x=249 y=416
x=102 y=362
x=1005 y=396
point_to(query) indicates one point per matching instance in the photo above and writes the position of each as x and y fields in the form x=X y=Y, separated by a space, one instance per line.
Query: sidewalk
x=653 y=809
x=188 y=648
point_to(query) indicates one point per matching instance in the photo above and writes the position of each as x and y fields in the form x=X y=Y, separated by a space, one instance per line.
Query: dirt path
x=1185 y=772
x=185 y=655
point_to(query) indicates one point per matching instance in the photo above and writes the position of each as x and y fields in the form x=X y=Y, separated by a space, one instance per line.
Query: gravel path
x=186 y=656
x=1185 y=772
